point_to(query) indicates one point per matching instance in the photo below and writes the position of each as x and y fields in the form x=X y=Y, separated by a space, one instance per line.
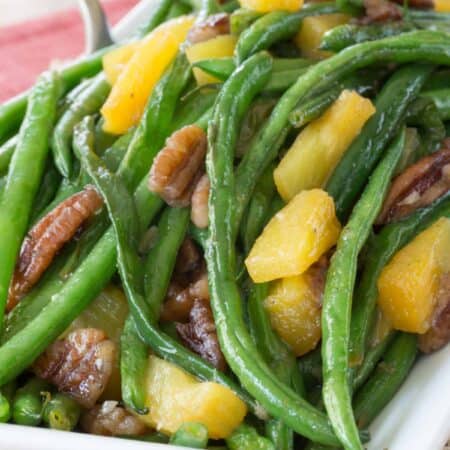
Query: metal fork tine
x=96 y=28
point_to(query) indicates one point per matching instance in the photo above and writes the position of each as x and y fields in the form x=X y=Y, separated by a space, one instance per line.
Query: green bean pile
x=53 y=144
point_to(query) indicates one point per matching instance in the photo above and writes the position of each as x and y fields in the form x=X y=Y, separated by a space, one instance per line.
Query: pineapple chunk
x=126 y=102
x=408 y=285
x=318 y=148
x=442 y=5
x=218 y=47
x=309 y=37
x=115 y=61
x=272 y=5
x=295 y=238
x=295 y=310
x=175 y=397
x=108 y=313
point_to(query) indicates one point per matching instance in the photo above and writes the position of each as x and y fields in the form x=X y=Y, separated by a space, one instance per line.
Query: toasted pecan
x=199 y=203
x=180 y=299
x=439 y=332
x=47 y=237
x=210 y=28
x=110 y=419
x=79 y=365
x=380 y=11
x=179 y=165
x=200 y=334
x=418 y=186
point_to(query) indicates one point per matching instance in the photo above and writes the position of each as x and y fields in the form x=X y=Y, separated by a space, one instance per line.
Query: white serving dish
x=417 y=418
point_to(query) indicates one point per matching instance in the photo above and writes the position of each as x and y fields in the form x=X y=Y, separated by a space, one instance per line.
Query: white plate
x=417 y=418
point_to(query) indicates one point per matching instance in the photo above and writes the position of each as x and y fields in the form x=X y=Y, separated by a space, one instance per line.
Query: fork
x=96 y=29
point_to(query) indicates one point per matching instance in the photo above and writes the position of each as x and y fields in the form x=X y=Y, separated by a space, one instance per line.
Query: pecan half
x=189 y=258
x=439 y=332
x=47 y=237
x=180 y=300
x=418 y=186
x=210 y=28
x=199 y=203
x=380 y=11
x=179 y=165
x=109 y=419
x=79 y=365
x=200 y=334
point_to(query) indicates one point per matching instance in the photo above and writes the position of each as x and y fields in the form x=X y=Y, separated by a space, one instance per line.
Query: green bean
x=241 y=19
x=439 y=80
x=281 y=79
x=155 y=124
x=236 y=343
x=114 y=155
x=123 y=216
x=161 y=259
x=6 y=152
x=245 y=437
x=88 y=102
x=258 y=210
x=103 y=140
x=13 y=111
x=24 y=175
x=5 y=409
x=190 y=434
x=386 y=379
x=313 y=108
x=158 y=15
x=178 y=9
x=310 y=366
x=423 y=114
x=391 y=104
x=441 y=99
x=193 y=107
x=344 y=36
x=158 y=269
x=133 y=366
x=418 y=14
x=371 y=358
x=61 y=412
x=274 y=27
x=47 y=190
x=381 y=249
x=337 y=298
x=278 y=356
x=27 y=404
x=230 y=6
x=7 y=393
x=417 y=45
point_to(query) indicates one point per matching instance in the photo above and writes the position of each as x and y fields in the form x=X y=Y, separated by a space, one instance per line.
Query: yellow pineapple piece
x=320 y=145
x=295 y=238
x=272 y=5
x=175 y=397
x=312 y=30
x=218 y=47
x=115 y=61
x=408 y=285
x=442 y=5
x=294 y=307
x=108 y=313
x=126 y=102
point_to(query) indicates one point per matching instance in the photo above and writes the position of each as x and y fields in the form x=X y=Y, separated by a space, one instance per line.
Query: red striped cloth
x=28 y=48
